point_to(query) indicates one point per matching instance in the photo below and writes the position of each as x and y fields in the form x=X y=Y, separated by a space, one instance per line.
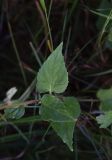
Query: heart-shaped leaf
x=53 y=76
x=62 y=114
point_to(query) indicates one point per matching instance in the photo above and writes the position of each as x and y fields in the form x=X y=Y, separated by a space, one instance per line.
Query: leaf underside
x=105 y=120
x=14 y=113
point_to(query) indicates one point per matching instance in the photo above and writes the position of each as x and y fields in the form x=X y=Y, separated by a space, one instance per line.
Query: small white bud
x=9 y=94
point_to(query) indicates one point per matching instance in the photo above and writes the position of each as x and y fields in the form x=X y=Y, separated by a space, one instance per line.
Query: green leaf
x=14 y=113
x=62 y=114
x=105 y=96
x=105 y=120
x=65 y=131
x=72 y=106
x=42 y=2
x=53 y=109
x=56 y=110
x=53 y=76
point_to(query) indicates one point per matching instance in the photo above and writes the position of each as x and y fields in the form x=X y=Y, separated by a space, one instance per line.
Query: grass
x=29 y=31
